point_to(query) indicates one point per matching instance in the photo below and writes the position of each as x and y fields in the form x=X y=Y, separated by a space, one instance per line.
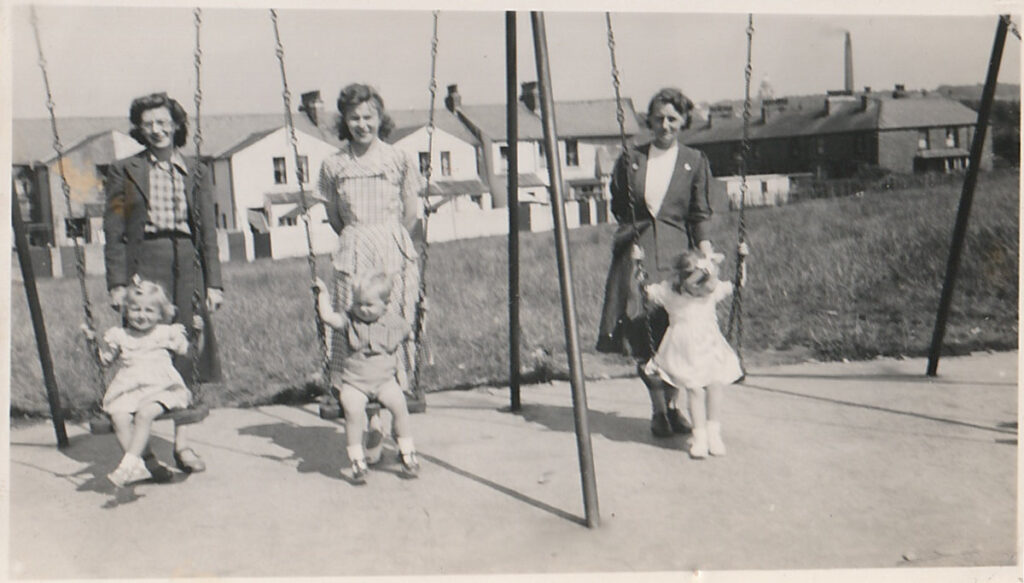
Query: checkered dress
x=167 y=209
x=369 y=194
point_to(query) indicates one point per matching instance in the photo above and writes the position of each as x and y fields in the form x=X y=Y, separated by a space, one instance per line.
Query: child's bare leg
x=144 y=417
x=392 y=398
x=122 y=423
x=698 y=415
x=353 y=401
x=715 y=395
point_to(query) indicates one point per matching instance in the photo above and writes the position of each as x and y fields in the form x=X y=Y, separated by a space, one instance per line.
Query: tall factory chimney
x=848 y=69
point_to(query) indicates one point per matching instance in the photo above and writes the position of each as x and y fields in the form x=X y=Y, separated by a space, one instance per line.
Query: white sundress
x=693 y=352
x=147 y=373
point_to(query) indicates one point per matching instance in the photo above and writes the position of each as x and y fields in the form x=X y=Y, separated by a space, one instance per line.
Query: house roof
x=455 y=187
x=295 y=197
x=574 y=119
x=530 y=179
x=923 y=112
x=408 y=121
x=492 y=119
x=880 y=113
x=32 y=139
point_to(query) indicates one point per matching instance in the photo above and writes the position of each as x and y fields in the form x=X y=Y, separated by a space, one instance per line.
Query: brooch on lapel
x=636 y=166
x=687 y=166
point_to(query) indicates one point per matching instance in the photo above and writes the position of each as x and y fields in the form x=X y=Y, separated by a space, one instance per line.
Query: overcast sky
x=100 y=57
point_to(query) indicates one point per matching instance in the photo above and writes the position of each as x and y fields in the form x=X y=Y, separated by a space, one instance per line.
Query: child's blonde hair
x=373 y=284
x=142 y=291
x=688 y=262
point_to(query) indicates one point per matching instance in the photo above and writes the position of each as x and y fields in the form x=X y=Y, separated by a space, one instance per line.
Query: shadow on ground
x=102 y=453
x=610 y=425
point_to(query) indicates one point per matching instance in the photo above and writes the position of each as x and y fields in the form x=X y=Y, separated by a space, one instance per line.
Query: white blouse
x=660 y=164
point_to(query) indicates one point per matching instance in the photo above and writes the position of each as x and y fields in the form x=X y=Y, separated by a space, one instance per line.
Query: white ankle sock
x=355 y=453
x=405 y=445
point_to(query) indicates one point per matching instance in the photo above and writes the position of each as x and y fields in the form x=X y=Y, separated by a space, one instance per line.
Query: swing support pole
x=967 y=196
x=579 y=394
x=42 y=343
x=512 y=132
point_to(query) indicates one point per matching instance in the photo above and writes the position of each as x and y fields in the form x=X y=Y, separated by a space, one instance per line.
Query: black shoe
x=678 y=422
x=160 y=472
x=660 y=425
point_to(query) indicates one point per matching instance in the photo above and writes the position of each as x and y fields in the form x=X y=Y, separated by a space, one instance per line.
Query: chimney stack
x=313 y=106
x=899 y=90
x=453 y=101
x=770 y=107
x=848 y=69
x=531 y=96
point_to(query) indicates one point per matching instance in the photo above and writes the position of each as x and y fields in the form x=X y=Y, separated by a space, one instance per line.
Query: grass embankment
x=829 y=279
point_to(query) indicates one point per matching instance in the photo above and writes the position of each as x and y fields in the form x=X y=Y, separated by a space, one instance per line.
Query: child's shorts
x=375 y=391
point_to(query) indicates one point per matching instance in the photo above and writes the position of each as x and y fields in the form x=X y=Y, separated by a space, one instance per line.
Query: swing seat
x=331 y=409
x=100 y=425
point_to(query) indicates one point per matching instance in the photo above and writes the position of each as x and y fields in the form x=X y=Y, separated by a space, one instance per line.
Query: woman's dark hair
x=676 y=99
x=155 y=101
x=356 y=94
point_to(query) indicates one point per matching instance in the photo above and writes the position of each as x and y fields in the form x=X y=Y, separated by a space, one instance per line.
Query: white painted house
x=252 y=174
x=588 y=136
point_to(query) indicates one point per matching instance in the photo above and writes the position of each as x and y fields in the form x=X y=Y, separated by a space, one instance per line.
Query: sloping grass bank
x=843 y=278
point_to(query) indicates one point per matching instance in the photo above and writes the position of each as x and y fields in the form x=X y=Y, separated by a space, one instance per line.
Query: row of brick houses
x=843 y=132
x=257 y=186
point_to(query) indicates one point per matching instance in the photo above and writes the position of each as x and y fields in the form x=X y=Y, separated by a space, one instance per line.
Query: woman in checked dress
x=372 y=191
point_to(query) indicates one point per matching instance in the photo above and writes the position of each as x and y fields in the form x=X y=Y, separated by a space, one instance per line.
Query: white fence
x=290 y=241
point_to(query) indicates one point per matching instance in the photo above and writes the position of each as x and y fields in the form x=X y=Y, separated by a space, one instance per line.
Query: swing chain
x=92 y=342
x=421 y=299
x=198 y=280
x=620 y=116
x=325 y=357
x=736 y=309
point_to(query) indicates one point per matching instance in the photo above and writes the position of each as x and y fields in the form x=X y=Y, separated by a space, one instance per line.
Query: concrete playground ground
x=865 y=465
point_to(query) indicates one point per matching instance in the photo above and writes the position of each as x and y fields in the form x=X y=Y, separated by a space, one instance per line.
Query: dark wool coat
x=127 y=251
x=681 y=223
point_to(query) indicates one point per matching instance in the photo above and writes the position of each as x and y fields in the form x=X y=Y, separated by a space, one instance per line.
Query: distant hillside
x=1004 y=91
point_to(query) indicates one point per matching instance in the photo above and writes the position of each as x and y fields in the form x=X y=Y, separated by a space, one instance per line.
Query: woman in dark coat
x=151 y=230
x=661 y=200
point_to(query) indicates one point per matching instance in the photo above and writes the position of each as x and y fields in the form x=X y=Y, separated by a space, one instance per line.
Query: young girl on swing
x=373 y=334
x=147 y=384
x=694 y=355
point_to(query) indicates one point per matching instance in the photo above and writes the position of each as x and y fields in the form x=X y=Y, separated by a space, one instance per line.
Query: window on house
x=572 y=153
x=503 y=150
x=280 y=171
x=76 y=227
x=952 y=138
x=446 y=163
x=821 y=145
x=103 y=171
x=303 y=169
x=794 y=148
x=424 y=162
x=922 y=140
